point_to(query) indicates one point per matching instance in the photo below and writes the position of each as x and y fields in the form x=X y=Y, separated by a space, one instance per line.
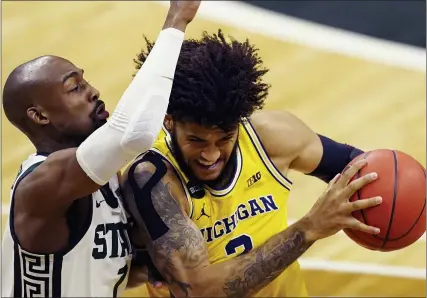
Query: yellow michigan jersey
x=245 y=214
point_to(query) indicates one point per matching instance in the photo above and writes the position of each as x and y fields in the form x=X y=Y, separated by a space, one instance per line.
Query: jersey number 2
x=122 y=272
x=243 y=240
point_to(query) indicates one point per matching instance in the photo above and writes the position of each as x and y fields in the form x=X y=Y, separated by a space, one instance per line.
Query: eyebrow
x=195 y=137
x=201 y=139
x=73 y=73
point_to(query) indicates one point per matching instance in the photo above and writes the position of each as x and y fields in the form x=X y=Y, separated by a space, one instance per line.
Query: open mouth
x=208 y=166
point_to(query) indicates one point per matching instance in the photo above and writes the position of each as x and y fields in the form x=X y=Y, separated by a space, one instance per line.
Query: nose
x=210 y=154
x=94 y=95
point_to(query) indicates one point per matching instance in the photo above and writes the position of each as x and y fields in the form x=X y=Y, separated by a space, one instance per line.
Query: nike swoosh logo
x=98 y=204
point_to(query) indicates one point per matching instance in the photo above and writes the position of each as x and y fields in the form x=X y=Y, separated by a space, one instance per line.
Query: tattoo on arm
x=180 y=254
x=181 y=248
x=256 y=269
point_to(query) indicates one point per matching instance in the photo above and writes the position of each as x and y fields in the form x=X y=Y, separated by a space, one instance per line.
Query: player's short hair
x=216 y=82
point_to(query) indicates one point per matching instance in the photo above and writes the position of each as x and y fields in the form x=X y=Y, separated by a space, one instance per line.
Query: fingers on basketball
x=350 y=172
x=358 y=183
x=363 y=204
x=354 y=224
x=334 y=181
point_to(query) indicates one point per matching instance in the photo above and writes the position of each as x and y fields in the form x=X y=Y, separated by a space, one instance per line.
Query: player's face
x=205 y=151
x=73 y=109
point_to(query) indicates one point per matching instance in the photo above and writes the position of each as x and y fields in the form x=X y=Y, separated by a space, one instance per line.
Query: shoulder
x=289 y=142
x=36 y=167
x=281 y=132
x=148 y=166
x=266 y=122
x=26 y=167
x=150 y=173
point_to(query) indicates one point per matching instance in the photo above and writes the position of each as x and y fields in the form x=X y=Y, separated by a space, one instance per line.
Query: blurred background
x=352 y=70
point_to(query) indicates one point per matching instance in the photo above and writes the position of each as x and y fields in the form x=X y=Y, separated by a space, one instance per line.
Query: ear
x=168 y=122
x=37 y=116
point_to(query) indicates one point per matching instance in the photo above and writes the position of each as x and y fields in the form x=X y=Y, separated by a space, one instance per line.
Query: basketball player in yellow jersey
x=210 y=199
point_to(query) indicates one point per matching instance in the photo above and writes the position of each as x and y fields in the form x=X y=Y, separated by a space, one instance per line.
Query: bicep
x=56 y=183
x=298 y=147
x=309 y=155
x=179 y=253
x=174 y=242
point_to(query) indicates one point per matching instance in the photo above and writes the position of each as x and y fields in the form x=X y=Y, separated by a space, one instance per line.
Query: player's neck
x=51 y=146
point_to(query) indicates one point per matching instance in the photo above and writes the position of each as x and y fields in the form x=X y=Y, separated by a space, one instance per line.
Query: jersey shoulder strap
x=32 y=162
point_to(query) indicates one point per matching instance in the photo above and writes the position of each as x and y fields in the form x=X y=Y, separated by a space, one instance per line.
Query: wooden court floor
x=362 y=103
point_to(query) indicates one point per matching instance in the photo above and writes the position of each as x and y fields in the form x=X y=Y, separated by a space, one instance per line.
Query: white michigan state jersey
x=94 y=265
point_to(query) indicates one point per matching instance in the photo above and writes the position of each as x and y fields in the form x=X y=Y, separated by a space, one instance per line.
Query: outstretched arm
x=70 y=174
x=301 y=149
x=177 y=247
x=73 y=173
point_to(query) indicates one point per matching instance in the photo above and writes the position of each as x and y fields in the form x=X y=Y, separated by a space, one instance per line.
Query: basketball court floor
x=377 y=102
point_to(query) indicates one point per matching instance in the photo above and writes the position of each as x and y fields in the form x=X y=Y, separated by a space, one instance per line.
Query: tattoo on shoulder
x=182 y=247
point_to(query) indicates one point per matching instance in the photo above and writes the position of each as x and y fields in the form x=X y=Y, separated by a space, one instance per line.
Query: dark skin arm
x=55 y=184
x=42 y=198
x=181 y=256
x=139 y=273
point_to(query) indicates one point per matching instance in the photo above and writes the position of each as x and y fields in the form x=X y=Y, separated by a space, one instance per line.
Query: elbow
x=137 y=276
x=138 y=142
x=191 y=285
x=205 y=284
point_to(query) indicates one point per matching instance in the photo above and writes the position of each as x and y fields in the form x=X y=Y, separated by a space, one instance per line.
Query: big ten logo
x=254 y=179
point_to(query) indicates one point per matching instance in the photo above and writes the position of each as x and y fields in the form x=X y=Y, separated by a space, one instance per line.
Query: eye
x=79 y=86
x=197 y=140
x=228 y=138
x=76 y=89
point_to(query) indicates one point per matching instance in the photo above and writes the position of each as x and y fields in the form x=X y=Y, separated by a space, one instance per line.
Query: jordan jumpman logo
x=203 y=212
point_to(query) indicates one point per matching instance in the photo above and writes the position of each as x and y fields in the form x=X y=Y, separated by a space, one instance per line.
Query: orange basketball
x=401 y=216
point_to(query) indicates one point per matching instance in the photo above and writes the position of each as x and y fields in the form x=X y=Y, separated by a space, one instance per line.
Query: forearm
x=172 y=22
x=139 y=115
x=137 y=276
x=142 y=269
x=189 y=274
x=182 y=259
x=249 y=273
x=178 y=249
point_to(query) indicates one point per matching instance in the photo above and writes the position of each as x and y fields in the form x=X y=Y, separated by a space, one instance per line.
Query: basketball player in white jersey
x=66 y=235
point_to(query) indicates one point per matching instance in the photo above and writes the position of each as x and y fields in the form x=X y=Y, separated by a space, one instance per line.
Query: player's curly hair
x=216 y=82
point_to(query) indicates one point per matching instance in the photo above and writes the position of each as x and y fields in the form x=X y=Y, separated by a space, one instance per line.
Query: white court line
x=344 y=266
x=291 y=29
x=362 y=268
x=303 y=32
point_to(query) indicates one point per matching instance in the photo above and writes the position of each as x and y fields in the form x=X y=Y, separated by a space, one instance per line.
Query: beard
x=76 y=137
x=96 y=121
x=226 y=172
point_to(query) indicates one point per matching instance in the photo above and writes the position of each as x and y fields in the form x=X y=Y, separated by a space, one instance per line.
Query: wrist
x=175 y=22
x=306 y=226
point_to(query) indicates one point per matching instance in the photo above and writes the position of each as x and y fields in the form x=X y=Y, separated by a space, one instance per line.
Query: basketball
x=401 y=216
